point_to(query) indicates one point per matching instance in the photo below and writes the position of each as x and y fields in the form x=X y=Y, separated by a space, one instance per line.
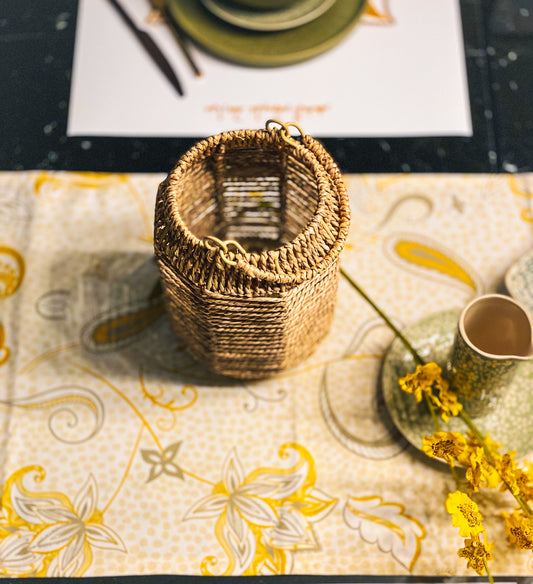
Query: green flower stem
x=489 y=575
x=475 y=431
x=455 y=476
x=431 y=409
x=523 y=504
x=395 y=330
x=417 y=358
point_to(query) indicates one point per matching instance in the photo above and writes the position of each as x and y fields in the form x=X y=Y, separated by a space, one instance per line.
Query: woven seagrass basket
x=249 y=226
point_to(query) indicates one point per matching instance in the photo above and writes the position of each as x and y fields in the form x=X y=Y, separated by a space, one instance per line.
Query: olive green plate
x=519 y=280
x=510 y=423
x=265 y=49
x=297 y=14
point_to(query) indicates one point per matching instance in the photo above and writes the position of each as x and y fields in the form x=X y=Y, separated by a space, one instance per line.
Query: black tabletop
x=37 y=42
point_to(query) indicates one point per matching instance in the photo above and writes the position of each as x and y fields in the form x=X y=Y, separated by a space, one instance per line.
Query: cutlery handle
x=150 y=46
x=161 y=61
x=127 y=18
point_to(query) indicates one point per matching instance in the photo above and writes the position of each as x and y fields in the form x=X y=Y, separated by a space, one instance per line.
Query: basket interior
x=262 y=198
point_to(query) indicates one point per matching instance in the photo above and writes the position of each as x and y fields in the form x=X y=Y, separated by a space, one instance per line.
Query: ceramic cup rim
x=505 y=298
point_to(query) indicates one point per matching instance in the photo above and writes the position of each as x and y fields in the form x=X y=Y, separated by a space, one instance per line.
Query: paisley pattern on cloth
x=431 y=260
x=120 y=455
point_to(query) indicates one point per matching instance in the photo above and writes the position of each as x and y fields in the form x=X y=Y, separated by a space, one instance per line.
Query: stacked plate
x=266 y=33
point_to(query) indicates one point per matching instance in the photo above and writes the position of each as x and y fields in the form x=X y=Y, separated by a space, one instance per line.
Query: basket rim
x=330 y=185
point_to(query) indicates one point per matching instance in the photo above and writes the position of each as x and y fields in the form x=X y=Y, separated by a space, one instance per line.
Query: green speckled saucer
x=519 y=280
x=265 y=49
x=509 y=423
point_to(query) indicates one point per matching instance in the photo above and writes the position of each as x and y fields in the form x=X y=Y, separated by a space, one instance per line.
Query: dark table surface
x=36 y=50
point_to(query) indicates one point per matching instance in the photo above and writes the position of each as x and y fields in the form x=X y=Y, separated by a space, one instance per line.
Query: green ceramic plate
x=297 y=14
x=519 y=280
x=265 y=49
x=509 y=423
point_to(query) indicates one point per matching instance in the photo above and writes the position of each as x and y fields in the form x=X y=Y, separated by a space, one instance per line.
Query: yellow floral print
x=426 y=255
x=12 y=270
x=387 y=525
x=378 y=14
x=265 y=516
x=47 y=534
x=97 y=180
x=4 y=351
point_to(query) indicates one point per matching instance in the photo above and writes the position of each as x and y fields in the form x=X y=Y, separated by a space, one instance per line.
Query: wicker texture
x=250 y=314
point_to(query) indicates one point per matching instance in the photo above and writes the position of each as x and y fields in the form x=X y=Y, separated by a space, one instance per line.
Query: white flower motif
x=387 y=525
x=293 y=531
x=70 y=529
x=269 y=508
x=242 y=504
x=16 y=558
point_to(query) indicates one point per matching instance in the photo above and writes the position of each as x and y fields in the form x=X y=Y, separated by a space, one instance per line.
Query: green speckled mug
x=494 y=334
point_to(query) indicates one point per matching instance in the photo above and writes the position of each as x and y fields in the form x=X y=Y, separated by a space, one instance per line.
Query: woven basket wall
x=257 y=308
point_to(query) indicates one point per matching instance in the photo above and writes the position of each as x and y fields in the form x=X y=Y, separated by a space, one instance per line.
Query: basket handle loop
x=285 y=132
x=224 y=247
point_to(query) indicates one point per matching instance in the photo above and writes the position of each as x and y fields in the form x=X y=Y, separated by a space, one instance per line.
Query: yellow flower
x=448 y=403
x=465 y=514
x=445 y=445
x=426 y=378
x=480 y=471
x=524 y=480
x=519 y=530
x=509 y=472
x=492 y=447
x=421 y=380
x=477 y=553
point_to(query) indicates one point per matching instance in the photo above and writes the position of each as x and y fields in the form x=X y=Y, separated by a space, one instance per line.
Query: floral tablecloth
x=119 y=455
